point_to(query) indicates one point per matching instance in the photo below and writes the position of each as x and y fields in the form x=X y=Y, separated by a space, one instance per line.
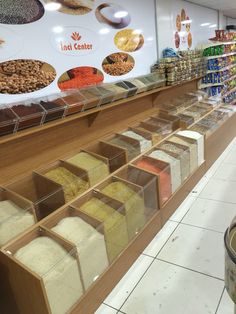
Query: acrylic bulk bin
x=54 y=107
x=199 y=109
x=194 y=114
x=72 y=180
x=46 y=195
x=199 y=128
x=107 y=95
x=129 y=87
x=112 y=215
x=200 y=143
x=185 y=120
x=192 y=145
x=50 y=264
x=74 y=100
x=131 y=146
x=96 y=167
x=182 y=153
x=115 y=156
x=175 y=120
x=162 y=171
x=149 y=84
x=144 y=139
x=93 y=97
x=149 y=184
x=29 y=114
x=129 y=195
x=16 y=215
x=87 y=235
x=160 y=79
x=148 y=131
x=175 y=166
x=8 y=121
x=119 y=92
x=140 y=86
x=160 y=124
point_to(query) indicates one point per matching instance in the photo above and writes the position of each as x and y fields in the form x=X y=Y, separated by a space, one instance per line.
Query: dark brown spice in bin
x=8 y=121
x=31 y=115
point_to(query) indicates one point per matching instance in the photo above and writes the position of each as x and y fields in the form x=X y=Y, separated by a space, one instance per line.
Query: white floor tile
x=210 y=214
x=183 y=208
x=197 y=249
x=160 y=239
x=128 y=282
x=199 y=187
x=226 y=172
x=169 y=289
x=104 y=309
x=219 y=190
x=226 y=305
x=231 y=158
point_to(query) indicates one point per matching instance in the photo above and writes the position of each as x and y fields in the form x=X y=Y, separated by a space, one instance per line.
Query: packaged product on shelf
x=54 y=106
x=192 y=145
x=164 y=173
x=8 y=121
x=130 y=145
x=144 y=143
x=115 y=227
x=29 y=114
x=97 y=169
x=13 y=220
x=182 y=153
x=72 y=185
x=58 y=269
x=93 y=97
x=200 y=143
x=174 y=167
x=133 y=203
x=131 y=88
x=90 y=245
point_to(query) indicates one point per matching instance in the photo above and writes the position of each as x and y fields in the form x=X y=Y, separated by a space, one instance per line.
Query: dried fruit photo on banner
x=117 y=64
x=129 y=40
x=80 y=77
x=25 y=76
x=74 y=7
x=113 y=15
x=20 y=11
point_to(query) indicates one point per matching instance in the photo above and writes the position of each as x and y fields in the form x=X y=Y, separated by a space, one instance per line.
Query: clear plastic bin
x=75 y=102
x=131 y=88
x=108 y=96
x=164 y=125
x=119 y=92
x=149 y=84
x=54 y=106
x=29 y=114
x=144 y=140
x=8 y=121
x=140 y=86
x=93 y=97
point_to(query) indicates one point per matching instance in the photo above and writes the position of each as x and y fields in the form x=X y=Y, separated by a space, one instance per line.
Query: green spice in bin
x=134 y=205
x=115 y=226
x=132 y=151
x=96 y=168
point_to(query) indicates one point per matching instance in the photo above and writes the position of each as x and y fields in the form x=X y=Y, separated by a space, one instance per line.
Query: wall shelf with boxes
x=129 y=170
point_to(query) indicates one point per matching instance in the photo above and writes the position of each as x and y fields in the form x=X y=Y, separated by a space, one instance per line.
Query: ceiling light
x=205 y=24
x=213 y=26
x=53 y=6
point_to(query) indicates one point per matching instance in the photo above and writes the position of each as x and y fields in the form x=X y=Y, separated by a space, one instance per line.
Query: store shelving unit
x=43 y=145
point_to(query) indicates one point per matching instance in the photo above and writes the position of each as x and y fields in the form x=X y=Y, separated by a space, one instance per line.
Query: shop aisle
x=182 y=270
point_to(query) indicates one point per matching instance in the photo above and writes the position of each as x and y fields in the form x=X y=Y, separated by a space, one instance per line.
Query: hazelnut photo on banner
x=25 y=76
x=117 y=64
x=74 y=7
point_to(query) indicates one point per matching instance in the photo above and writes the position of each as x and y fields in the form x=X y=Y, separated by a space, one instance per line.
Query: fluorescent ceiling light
x=53 y=6
x=121 y=14
x=213 y=26
x=205 y=24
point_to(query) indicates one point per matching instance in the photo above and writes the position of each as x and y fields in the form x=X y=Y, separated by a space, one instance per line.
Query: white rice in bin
x=58 y=269
x=90 y=244
x=175 y=167
x=144 y=143
x=13 y=221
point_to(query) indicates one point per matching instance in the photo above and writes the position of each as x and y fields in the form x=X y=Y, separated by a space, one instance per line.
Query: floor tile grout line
x=187 y=210
x=153 y=260
x=186 y=268
x=110 y=306
x=221 y=297
x=198 y=227
x=210 y=199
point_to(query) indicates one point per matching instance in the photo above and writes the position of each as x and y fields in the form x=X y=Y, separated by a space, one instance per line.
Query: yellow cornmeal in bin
x=115 y=227
x=96 y=168
x=134 y=205
x=72 y=185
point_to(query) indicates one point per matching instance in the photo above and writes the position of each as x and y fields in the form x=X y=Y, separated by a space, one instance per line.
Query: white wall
x=222 y=21
x=230 y=21
x=166 y=15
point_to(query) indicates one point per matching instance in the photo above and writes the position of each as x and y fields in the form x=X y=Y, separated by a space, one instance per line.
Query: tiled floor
x=182 y=270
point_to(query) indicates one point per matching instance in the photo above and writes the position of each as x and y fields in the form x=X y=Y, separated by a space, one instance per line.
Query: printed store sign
x=75 y=41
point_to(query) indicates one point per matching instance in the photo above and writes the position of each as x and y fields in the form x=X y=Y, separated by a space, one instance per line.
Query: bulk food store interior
x=117 y=157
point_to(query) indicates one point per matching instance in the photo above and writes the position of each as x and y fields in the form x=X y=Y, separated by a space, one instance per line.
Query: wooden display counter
x=25 y=152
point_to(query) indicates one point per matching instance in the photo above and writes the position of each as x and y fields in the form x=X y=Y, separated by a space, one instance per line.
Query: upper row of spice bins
x=35 y=112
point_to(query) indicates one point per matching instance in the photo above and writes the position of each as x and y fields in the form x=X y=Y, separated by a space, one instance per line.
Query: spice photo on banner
x=20 y=11
x=113 y=15
x=129 y=40
x=117 y=64
x=80 y=77
x=25 y=76
x=73 y=7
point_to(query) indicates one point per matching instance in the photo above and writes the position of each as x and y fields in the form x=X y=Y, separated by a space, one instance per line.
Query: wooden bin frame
x=45 y=144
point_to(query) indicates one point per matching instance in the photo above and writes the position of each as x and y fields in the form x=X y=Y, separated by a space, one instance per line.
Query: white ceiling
x=228 y=7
